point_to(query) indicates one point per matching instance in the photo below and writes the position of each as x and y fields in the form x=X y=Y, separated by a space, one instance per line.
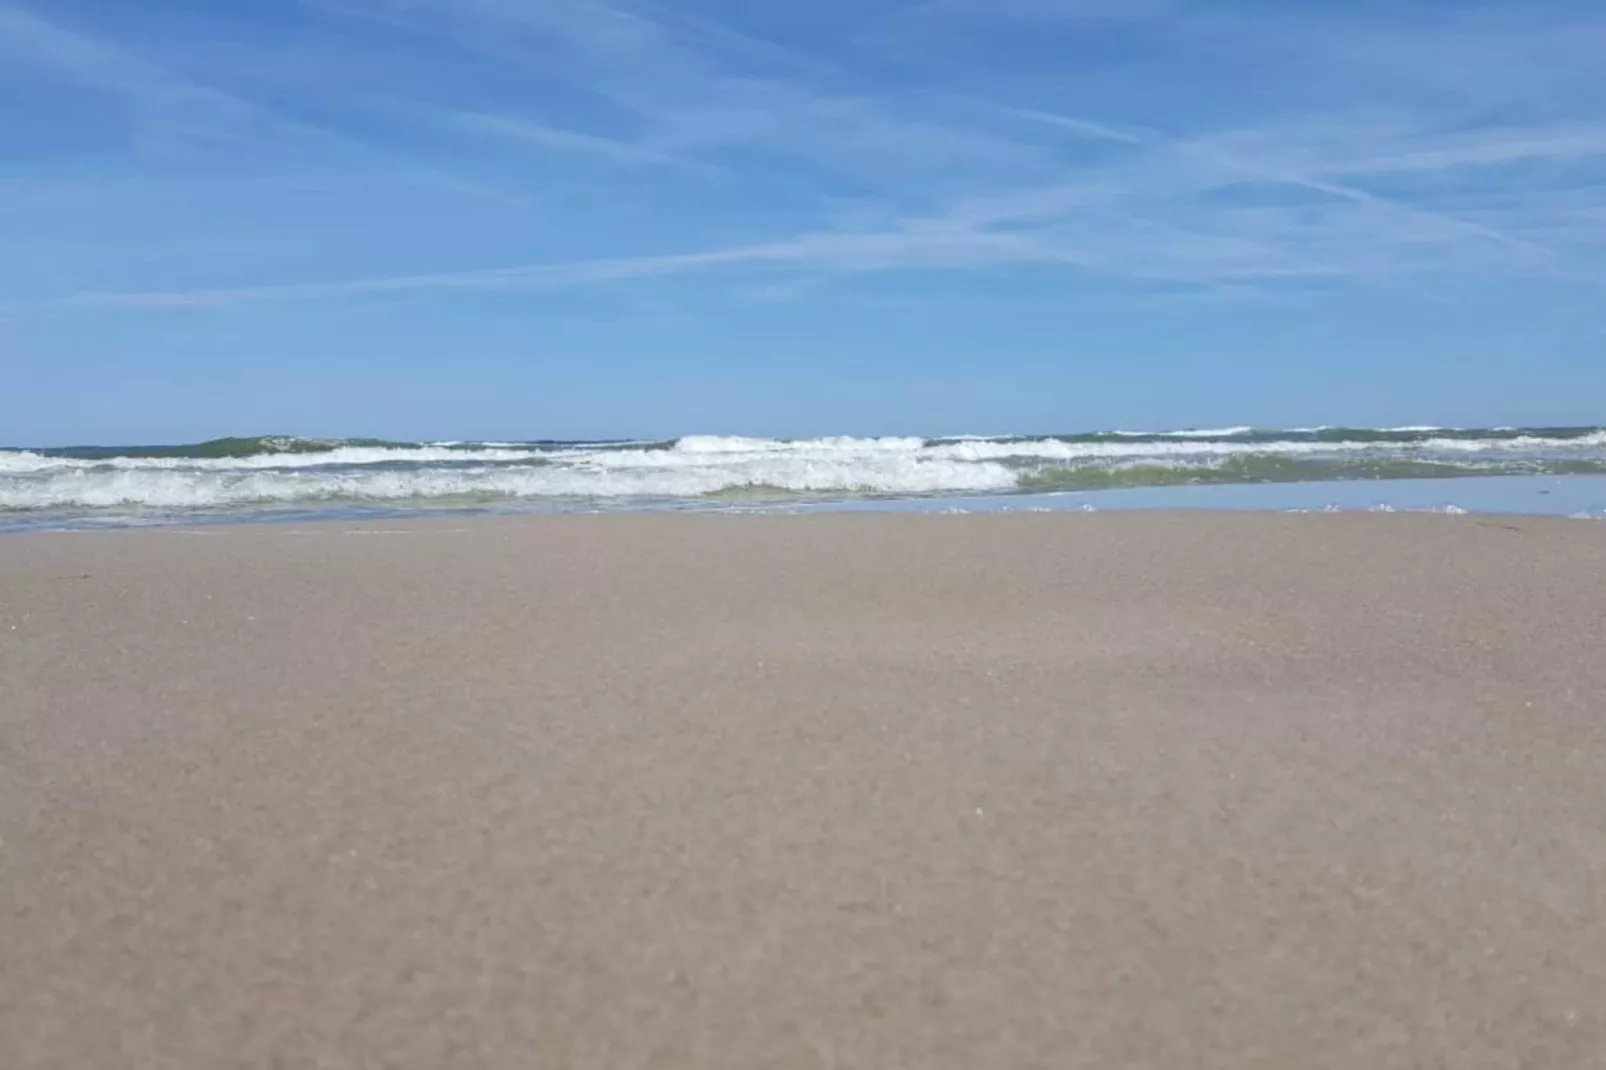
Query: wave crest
x=279 y=470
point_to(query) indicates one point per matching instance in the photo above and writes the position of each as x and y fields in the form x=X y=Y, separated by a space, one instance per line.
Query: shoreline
x=1573 y=497
x=1210 y=789
x=513 y=522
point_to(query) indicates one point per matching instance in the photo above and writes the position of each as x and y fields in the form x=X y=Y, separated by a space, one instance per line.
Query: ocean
x=279 y=477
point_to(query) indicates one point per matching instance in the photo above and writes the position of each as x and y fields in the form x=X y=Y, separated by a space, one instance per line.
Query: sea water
x=1559 y=471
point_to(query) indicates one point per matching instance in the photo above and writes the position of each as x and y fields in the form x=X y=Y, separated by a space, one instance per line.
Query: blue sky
x=573 y=218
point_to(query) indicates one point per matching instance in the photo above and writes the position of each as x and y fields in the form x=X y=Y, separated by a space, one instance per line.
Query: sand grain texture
x=831 y=791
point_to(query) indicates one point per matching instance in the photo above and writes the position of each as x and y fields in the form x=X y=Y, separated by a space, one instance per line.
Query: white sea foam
x=892 y=474
x=1160 y=452
x=1208 y=432
x=343 y=455
x=699 y=444
x=701 y=450
x=22 y=461
x=690 y=468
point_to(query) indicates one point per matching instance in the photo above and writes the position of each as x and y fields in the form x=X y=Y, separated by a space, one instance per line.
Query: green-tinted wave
x=268 y=445
x=258 y=445
x=1404 y=436
x=223 y=447
x=1272 y=468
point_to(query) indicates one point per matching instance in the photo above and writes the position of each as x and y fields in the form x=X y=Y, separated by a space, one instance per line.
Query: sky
x=616 y=218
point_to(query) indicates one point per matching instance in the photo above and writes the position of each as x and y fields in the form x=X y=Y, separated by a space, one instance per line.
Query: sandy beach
x=1119 y=790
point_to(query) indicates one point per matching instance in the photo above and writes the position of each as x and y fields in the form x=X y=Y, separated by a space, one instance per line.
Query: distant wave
x=1222 y=432
x=284 y=471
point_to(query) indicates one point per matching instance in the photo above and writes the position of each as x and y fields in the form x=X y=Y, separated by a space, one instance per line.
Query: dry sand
x=836 y=791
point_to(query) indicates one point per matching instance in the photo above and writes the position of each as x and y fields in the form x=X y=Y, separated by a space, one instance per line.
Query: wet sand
x=1122 y=790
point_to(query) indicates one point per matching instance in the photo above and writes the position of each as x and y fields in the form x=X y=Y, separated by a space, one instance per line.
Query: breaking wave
x=281 y=471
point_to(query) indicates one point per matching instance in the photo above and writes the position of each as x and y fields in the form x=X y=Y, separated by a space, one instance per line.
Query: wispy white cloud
x=1083 y=229
x=882 y=250
x=1139 y=221
x=1043 y=10
x=153 y=92
x=166 y=106
x=556 y=139
x=1485 y=148
x=1382 y=186
x=1085 y=127
x=1197 y=165
x=695 y=88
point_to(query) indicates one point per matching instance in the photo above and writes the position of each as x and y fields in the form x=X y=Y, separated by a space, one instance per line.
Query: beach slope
x=820 y=791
